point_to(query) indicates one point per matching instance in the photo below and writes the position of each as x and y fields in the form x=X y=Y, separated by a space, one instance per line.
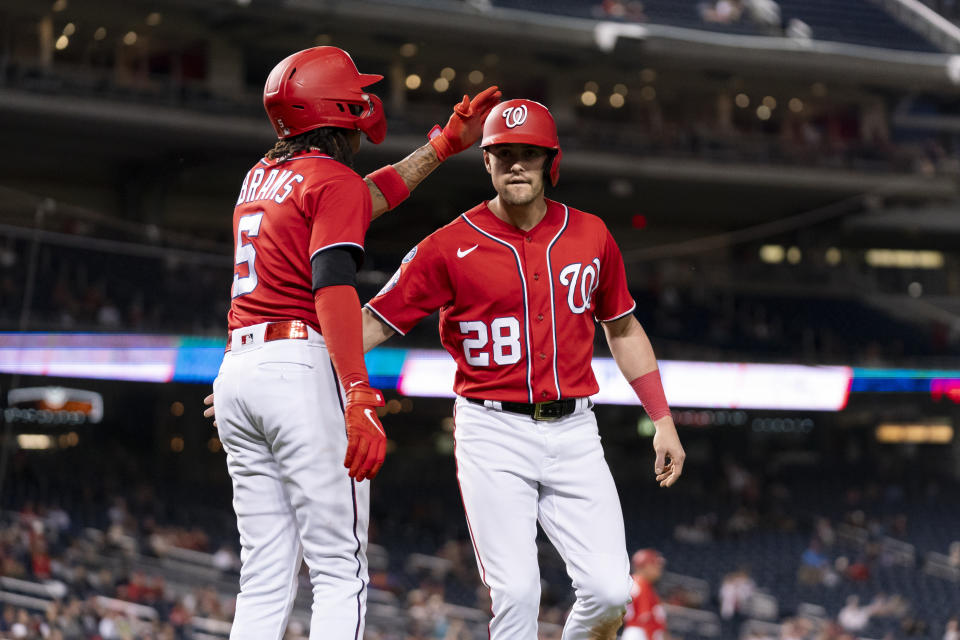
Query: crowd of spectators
x=103 y=552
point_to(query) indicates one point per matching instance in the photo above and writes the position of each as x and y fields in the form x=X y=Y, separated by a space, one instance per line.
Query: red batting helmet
x=644 y=557
x=321 y=87
x=524 y=122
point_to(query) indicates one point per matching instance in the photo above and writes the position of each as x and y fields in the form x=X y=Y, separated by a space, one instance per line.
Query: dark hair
x=332 y=141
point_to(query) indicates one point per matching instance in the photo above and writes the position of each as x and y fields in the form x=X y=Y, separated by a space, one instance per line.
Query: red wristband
x=649 y=389
x=391 y=185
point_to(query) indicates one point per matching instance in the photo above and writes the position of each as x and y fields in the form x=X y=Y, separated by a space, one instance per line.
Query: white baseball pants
x=281 y=424
x=515 y=471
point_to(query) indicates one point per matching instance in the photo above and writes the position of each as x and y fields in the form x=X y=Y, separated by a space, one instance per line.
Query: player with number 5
x=519 y=282
x=293 y=400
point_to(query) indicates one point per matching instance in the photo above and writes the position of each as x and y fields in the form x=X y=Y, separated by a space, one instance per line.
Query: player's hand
x=210 y=411
x=670 y=455
x=366 y=439
x=465 y=126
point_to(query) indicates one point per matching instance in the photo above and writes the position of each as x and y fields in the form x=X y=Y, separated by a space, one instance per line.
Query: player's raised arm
x=633 y=353
x=390 y=185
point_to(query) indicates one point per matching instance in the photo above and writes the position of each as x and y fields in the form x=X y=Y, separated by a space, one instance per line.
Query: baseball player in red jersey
x=645 y=619
x=519 y=282
x=296 y=341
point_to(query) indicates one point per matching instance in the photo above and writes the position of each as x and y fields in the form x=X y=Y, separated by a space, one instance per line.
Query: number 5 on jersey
x=246 y=254
x=506 y=341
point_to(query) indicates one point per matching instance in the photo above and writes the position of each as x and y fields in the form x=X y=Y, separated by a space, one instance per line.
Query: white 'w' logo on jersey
x=583 y=280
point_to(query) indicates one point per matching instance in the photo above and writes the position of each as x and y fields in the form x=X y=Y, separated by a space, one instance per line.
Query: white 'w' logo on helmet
x=515 y=116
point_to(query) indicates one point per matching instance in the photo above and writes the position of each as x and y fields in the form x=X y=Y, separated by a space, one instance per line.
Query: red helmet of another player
x=643 y=557
x=524 y=122
x=321 y=87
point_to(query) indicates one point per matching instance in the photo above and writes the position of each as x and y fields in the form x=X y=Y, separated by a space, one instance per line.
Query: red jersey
x=517 y=308
x=645 y=610
x=287 y=212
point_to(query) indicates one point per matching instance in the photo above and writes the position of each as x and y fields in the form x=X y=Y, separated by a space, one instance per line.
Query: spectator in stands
x=765 y=14
x=813 y=564
x=721 y=11
x=952 y=631
x=735 y=592
x=621 y=10
x=855 y=618
x=953 y=555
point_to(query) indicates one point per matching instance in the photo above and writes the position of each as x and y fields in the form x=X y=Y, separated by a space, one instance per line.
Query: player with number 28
x=519 y=282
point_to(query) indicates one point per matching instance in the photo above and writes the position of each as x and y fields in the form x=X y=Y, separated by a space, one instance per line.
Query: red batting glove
x=366 y=439
x=465 y=126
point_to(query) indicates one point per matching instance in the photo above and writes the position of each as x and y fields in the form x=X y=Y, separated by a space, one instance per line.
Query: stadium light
x=34 y=441
x=904 y=258
x=772 y=253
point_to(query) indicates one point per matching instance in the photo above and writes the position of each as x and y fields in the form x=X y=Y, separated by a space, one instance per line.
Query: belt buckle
x=538 y=413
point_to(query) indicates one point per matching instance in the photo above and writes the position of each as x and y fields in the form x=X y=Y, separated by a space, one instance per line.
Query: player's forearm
x=338 y=312
x=375 y=332
x=630 y=347
x=412 y=170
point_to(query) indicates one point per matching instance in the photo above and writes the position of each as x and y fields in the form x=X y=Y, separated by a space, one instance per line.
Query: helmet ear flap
x=553 y=170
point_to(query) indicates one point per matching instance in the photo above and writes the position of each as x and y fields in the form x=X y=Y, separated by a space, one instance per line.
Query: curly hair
x=332 y=141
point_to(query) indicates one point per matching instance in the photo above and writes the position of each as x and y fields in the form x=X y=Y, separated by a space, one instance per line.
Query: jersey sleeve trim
x=622 y=315
x=337 y=244
x=383 y=319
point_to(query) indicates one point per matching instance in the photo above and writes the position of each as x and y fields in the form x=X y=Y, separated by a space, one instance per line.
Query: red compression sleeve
x=650 y=391
x=338 y=310
x=391 y=185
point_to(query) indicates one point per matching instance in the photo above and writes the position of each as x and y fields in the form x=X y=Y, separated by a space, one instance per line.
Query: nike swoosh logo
x=353 y=384
x=461 y=253
x=369 y=414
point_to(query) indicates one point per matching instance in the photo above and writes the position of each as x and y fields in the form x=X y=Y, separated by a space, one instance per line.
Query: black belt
x=552 y=410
